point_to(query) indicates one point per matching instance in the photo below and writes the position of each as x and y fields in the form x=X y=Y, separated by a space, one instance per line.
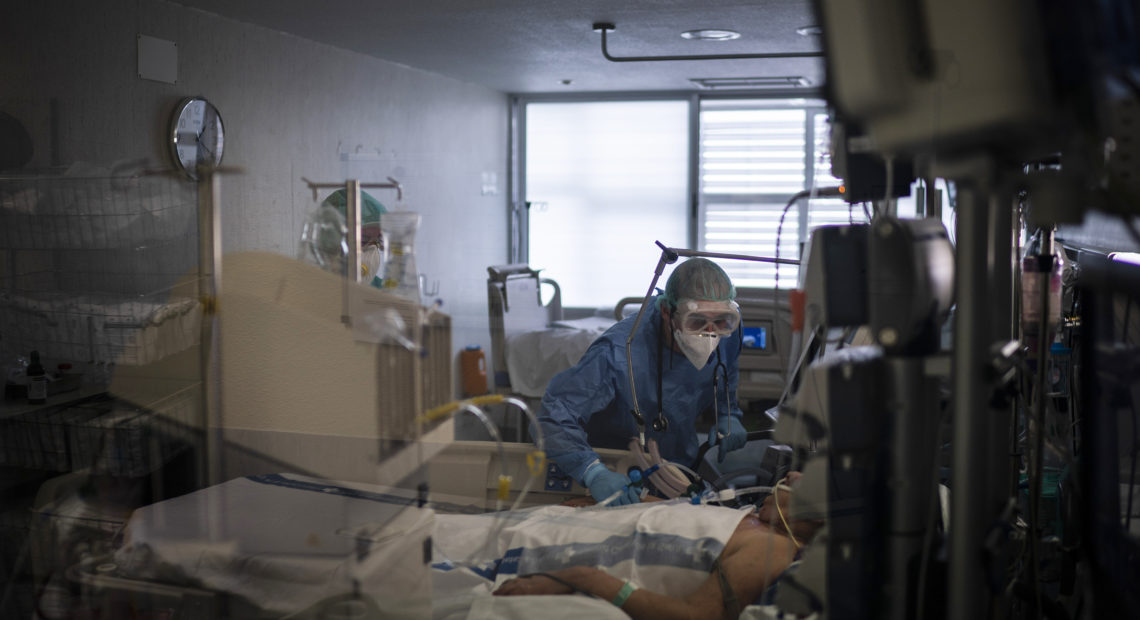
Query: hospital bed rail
x=514 y=304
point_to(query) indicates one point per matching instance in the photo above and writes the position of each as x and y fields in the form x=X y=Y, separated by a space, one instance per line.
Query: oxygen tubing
x=655 y=477
x=675 y=479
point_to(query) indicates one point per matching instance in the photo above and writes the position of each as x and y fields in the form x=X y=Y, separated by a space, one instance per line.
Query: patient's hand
x=533 y=584
x=545 y=583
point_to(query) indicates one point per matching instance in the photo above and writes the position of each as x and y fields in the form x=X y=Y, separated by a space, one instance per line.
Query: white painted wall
x=290 y=108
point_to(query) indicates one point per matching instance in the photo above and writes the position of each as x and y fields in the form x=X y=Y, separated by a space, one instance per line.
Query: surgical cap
x=698 y=279
x=370 y=208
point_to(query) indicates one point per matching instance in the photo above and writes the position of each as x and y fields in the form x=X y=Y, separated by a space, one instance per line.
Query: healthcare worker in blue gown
x=686 y=335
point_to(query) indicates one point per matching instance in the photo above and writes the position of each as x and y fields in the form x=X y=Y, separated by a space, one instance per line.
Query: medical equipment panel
x=766 y=336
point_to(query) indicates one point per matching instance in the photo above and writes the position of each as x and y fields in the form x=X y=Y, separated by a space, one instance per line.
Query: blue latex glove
x=604 y=483
x=730 y=434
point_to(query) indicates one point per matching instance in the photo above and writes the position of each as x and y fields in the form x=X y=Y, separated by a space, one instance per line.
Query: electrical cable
x=504 y=479
x=780 y=486
x=779 y=232
x=503 y=492
x=536 y=461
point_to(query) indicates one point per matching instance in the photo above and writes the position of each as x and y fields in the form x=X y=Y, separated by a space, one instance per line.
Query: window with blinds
x=754 y=155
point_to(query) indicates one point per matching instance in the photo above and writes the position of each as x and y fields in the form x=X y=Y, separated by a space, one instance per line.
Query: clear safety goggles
x=712 y=318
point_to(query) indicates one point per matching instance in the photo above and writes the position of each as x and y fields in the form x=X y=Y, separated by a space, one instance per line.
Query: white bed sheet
x=666 y=547
x=534 y=357
x=286 y=542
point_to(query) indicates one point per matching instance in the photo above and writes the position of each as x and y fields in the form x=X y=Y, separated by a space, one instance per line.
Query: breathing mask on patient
x=699 y=326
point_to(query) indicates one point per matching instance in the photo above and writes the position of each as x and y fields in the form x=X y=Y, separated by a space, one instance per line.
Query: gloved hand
x=604 y=483
x=730 y=434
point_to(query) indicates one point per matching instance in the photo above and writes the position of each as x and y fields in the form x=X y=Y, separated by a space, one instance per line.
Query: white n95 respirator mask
x=371 y=263
x=701 y=324
x=696 y=347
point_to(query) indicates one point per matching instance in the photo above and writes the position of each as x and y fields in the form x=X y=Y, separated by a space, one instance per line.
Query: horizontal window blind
x=754 y=155
x=752 y=228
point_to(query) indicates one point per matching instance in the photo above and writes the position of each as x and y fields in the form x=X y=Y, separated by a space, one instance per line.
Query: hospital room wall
x=291 y=108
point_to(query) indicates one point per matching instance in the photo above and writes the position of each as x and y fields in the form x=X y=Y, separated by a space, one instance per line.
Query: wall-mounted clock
x=196 y=135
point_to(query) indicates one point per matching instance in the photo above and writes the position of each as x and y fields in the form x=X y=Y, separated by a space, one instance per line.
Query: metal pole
x=758 y=259
x=1002 y=266
x=967 y=586
x=913 y=409
x=352 y=225
x=210 y=291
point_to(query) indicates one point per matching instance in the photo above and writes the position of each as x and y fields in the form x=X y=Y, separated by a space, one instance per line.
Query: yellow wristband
x=623 y=594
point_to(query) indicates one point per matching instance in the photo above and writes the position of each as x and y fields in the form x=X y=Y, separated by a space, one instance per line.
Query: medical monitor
x=927 y=75
x=766 y=338
x=757 y=337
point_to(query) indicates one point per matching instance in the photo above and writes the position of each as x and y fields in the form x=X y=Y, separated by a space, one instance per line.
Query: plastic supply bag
x=400 y=275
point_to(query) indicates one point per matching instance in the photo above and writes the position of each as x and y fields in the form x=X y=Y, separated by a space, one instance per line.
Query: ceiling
x=534 y=46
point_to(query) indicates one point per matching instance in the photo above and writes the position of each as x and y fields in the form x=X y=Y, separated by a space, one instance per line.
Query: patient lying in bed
x=286 y=543
x=652 y=560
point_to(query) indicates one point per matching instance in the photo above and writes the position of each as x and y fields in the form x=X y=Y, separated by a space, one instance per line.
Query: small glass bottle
x=37 y=380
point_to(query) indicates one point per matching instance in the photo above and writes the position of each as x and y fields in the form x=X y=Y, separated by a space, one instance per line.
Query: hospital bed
x=290 y=546
x=531 y=341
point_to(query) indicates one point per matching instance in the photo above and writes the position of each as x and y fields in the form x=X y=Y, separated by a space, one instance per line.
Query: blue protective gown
x=589 y=405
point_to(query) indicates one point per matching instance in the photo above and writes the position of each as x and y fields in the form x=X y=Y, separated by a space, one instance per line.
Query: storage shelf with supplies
x=99 y=433
x=97 y=269
x=99 y=273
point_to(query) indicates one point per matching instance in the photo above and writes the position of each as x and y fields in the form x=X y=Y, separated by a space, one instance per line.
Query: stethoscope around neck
x=669 y=256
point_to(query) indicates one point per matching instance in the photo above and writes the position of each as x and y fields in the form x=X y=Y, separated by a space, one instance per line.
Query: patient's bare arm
x=752 y=558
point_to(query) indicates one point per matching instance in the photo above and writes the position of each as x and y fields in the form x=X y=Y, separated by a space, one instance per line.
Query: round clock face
x=197 y=135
